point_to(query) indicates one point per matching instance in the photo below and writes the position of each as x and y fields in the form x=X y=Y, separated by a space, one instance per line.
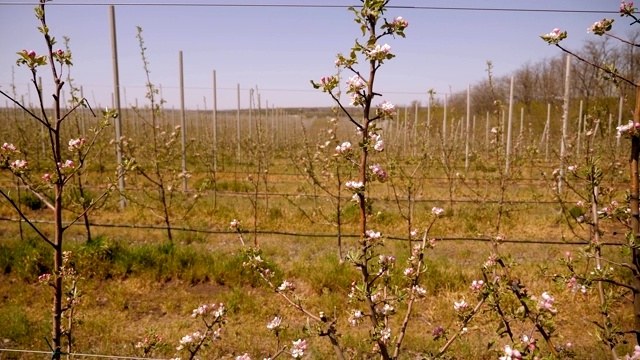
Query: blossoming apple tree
x=630 y=217
x=48 y=182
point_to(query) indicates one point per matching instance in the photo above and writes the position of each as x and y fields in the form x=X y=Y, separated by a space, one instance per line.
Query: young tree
x=632 y=131
x=61 y=170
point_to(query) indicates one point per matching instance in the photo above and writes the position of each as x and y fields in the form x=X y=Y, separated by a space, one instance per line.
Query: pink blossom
x=354 y=185
x=626 y=8
x=244 y=356
x=409 y=271
x=274 y=324
x=419 y=291
x=356 y=317
x=460 y=306
x=46 y=177
x=546 y=302
x=385 y=335
x=386 y=108
x=627 y=129
x=600 y=27
x=379 y=145
x=355 y=83
x=44 y=278
x=8 y=147
x=234 y=224
x=476 y=285
x=386 y=309
x=31 y=54
x=69 y=164
x=19 y=165
x=286 y=286
x=554 y=37
x=379 y=52
x=437 y=211
x=343 y=148
x=399 y=22
x=510 y=353
x=377 y=169
x=372 y=235
x=76 y=144
x=298 y=348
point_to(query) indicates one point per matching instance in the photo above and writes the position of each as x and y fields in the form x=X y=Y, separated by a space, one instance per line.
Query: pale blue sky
x=280 y=49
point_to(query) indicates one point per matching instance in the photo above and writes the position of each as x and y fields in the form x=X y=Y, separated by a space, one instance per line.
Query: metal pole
x=508 y=149
x=183 y=133
x=466 y=146
x=215 y=123
x=238 y=125
x=565 y=119
x=116 y=98
x=444 y=122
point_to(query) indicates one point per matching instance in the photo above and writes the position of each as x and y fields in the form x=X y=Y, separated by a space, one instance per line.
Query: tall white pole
x=548 y=127
x=238 y=125
x=444 y=122
x=183 y=133
x=565 y=120
x=116 y=98
x=467 y=130
x=579 y=131
x=509 y=126
x=619 y=119
x=215 y=123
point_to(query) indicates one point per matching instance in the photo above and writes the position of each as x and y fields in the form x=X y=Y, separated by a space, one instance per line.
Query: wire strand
x=312 y=6
x=80 y=354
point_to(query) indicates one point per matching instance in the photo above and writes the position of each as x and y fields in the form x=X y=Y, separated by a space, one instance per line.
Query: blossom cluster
x=9 y=148
x=77 y=144
x=286 y=286
x=275 y=324
x=601 y=27
x=476 y=285
x=378 y=142
x=554 y=37
x=626 y=8
x=510 y=353
x=217 y=310
x=377 y=170
x=460 y=305
x=354 y=185
x=31 y=59
x=399 y=24
x=327 y=83
x=355 y=317
x=298 y=348
x=629 y=130
x=386 y=109
x=372 y=236
x=191 y=339
x=574 y=286
x=379 y=53
x=546 y=302
x=343 y=148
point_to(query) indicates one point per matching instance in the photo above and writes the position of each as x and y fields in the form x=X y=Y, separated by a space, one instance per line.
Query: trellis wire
x=318 y=235
x=81 y=355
